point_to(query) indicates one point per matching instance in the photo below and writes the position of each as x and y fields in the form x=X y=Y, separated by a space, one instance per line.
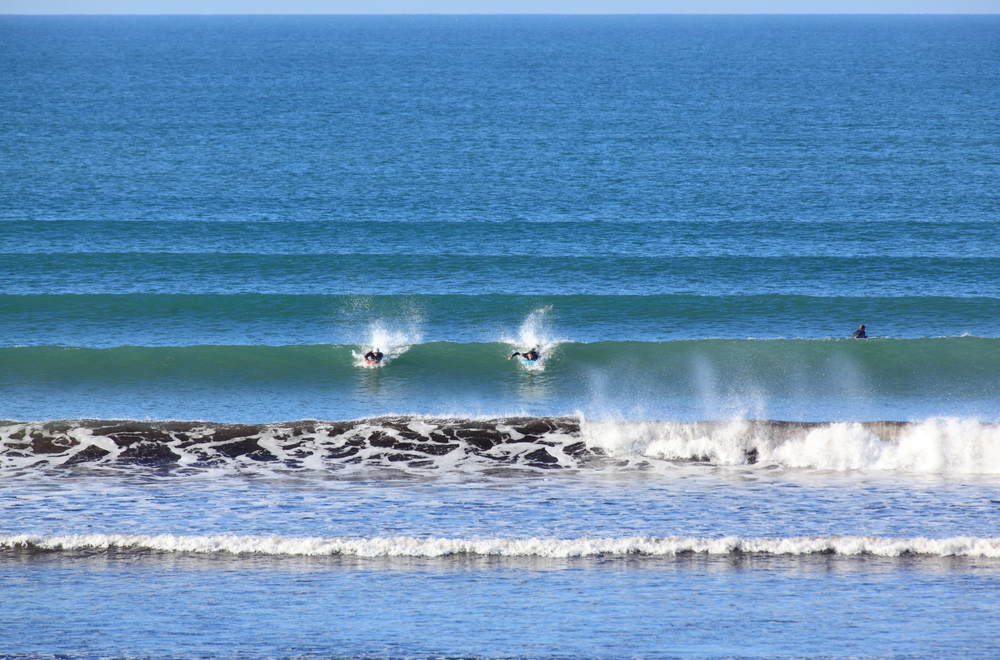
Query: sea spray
x=535 y=332
x=391 y=339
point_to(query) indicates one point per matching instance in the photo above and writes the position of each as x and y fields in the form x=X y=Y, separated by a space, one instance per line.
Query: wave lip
x=378 y=547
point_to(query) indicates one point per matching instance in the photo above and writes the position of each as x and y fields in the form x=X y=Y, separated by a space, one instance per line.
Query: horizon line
x=487 y=14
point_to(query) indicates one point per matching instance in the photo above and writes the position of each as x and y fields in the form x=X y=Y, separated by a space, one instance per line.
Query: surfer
x=530 y=356
x=860 y=333
x=374 y=356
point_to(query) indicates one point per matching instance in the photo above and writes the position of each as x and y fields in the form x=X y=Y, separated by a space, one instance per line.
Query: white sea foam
x=403 y=546
x=934 y=446
x=441 y=446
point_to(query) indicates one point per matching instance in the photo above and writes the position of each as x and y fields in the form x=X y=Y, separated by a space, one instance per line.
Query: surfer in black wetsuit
x=374 y=356
x=531 y=355
x=860 y=333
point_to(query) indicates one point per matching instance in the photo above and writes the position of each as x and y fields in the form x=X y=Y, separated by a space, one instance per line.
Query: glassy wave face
x=805 y=380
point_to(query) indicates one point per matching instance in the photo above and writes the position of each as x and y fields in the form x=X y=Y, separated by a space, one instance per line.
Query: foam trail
x=403 y=546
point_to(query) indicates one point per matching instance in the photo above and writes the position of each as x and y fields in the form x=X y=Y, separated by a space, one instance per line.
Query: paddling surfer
x=374 y=356
x=530 y=356
x=860 y=333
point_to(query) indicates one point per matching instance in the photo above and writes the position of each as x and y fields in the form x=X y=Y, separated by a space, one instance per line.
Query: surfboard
x=528 y=361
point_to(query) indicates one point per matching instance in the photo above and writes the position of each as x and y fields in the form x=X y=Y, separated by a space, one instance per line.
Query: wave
x=439 y=447
x=849 y=546
x=794 y=379
x=905 y=365
x=815 y=380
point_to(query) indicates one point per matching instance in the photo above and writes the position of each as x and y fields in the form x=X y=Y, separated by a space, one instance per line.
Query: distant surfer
x=529 y=356
x=860 y=333
x=374 y=356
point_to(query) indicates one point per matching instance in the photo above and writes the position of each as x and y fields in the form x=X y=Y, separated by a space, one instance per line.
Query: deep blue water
x=213 y=218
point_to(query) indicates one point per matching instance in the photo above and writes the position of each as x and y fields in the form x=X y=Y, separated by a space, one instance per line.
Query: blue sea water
x=207 y=221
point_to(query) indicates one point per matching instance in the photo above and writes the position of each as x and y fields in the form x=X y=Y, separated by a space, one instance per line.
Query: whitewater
x=534 y=547
x=448 y=447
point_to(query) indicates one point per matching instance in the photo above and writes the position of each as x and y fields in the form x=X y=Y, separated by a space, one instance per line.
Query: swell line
x=283 y=319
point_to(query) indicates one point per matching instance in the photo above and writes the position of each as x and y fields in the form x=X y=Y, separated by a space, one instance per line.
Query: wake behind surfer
x=860 y=333
x=374 y=356
x=530 y=356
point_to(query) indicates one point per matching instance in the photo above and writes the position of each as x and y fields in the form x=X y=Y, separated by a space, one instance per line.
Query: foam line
x=849 y=546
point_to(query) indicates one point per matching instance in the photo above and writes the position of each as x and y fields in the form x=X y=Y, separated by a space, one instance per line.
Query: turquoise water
x=828 y=380
x=207 y=221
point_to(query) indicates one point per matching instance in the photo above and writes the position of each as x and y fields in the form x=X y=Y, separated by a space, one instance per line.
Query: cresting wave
x=902 y=364
x=720 y=377
x=428 y=446
x=851 y=546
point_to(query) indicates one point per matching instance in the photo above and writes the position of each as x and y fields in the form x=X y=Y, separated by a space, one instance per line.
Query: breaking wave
x=508 y=547
x=428 y=446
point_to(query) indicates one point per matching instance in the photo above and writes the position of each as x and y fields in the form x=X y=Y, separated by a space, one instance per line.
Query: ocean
x=208 y=221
